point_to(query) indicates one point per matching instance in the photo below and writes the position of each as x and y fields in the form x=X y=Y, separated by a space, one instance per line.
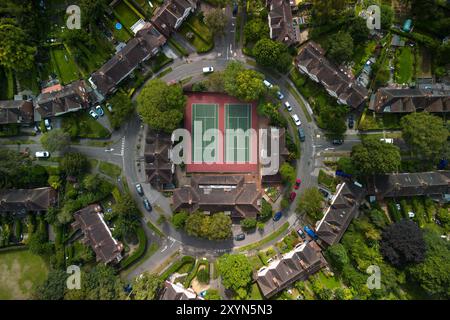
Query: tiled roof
x=27 y=200
x=12 y=111
x=97 y=234
x=166 y=16
x=176 y=291
x=158 y=166
x=280 y=21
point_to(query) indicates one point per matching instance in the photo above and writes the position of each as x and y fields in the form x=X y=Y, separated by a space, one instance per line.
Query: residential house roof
x=409 y=100
x=298 y=264
x=343 y=208
x=434 y=183
x=13 y=111
x=176 y=291
x=22 y=201
x=312 y=59
x=158 y=166
x=280 y=22
x=166 y=16
x=70 y=98
x=97 y=234
x=144 y=45
x=218 y=193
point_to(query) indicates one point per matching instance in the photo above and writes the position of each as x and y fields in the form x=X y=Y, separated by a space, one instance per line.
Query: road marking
x=164 y=249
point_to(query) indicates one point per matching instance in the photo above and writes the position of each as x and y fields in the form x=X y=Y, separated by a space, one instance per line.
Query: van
x=42 y=154
x=390 y=141
x=301 y=134
x=208 y=69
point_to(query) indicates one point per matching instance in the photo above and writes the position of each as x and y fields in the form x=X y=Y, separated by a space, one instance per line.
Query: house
x=70 y=98
x=298 y=264
x=158 y=167
x=281 y=24
x=13 y=111
x=19 y=202
x=142 y=47
x=337 y=82
x=434 y=184
x=237 y=195
x=176 y=291
x=97 y=235
x=171 y=15
x=436 y=99
x=344 y=206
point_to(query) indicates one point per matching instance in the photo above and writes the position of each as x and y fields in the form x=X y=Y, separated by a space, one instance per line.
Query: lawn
x=20 y=272
x=110 y=169
x=328 y=281
x=158 y=62
x=202 y=38
x=125 y=14
x=404 y=65
x=122 y=35
x=255 y=294
x=82 y=125
x=64 y=65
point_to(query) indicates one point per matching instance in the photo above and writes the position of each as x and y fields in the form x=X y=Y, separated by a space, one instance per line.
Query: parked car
x=387 y=140
x=277 y=216
x=326 y=194
x=42 y=154
x=235 y=8
x=296 y=119
x=288 y=106
x=292 y=196
x=48 y=124
x=280 y=95
x=351 y=122
x=298 y=182
x=239 y=237
x=338 y=141
x=208 y=69
x=109 y=107
x=268 y=84
x=301 y=134
x=139 y=189
x=301 y=234
x=147 y=205
x=99 y=110
x=93 y=114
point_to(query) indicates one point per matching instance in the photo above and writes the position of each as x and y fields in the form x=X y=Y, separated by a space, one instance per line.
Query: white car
x=48 y=124
x=288 y=106
x=93 y=114
x=208 y=69
x=296 y=119
x=268 y=84
x=42 y=154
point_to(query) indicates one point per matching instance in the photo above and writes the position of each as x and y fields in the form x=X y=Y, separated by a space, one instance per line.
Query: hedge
x=177 y=266
x=193 y=274
x=139 y=252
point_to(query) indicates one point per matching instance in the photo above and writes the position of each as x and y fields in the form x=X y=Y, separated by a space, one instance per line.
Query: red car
x=297 y=183
x=292 y=196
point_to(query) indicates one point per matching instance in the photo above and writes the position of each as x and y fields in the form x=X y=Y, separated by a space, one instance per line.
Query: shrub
x=248 y=223
x=140 y=251
x=203 y=276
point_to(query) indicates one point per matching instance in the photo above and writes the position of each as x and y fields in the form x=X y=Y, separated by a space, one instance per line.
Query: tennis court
x=237 y=142
x=204 y=117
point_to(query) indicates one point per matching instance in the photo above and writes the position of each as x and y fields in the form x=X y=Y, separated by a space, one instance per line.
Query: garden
x=198 y=34
x=327 y=181
x=404 y=65
x=80 y=125
x=127 y=14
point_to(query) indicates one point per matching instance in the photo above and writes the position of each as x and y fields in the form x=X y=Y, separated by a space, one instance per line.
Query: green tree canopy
x=179 y=219
x=54 y=286
x=288 y=173
x=340 y=47
x=425 y=134
x=310 y=203
x=243 y=83
x=337 y=256
x=272 y=54
x=161 y=106
x=216 y=20
x=214 y=227
x=373 y=156
x=235 y=271
x=55 y=140
x=74 y=163
x=255 y=30
x=146 y=286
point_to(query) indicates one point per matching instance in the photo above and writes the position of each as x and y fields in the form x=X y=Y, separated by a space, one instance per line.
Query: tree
x=214 y=227
x=161 y=106
x=203 y=275
x=373 y=156
x=345 y=164
x=38 y=243
x=269 y=53
x=310 y=203
x=92 y=11
x=179 y=219
x=288 y=173
x=122 y=107
x=55 y=140
x=337 y=256
x=212 y=294
x=358 y=30
x=387 y=16
x=433 y=274
x=425 y=134
x=127 y=214
x=74 y=164
x=266 y=210
x=235 y=271
x=255 y=30
x=216 y=21
x=248 y=223
x=146 y=286
x=270 y=111
x=16 y=51
x=340 y=47
x=243 y=83
x=54 y=286
x=402 y=244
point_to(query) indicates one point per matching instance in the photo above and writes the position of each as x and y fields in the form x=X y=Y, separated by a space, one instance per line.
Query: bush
x=203 y=276
x=248 y=223
x=179 y=219
x=140 y=251
x=177 y=266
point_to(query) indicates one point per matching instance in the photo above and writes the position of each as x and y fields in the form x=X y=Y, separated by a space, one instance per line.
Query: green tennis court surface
x=237 y=143
x=204 y=117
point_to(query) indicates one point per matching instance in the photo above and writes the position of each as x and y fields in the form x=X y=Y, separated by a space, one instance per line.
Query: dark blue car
x=277 y=216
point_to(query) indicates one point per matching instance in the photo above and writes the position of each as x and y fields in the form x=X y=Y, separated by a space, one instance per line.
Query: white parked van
x=42 y=154
x=390 y=141
x=208 y=69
